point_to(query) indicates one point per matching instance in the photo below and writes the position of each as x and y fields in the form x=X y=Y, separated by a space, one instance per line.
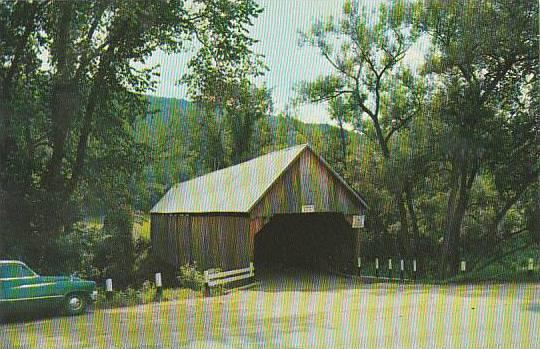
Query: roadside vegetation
x=146 y=294
x=445 y=150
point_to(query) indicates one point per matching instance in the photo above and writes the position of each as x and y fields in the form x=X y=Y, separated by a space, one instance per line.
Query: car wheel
x=75 y=304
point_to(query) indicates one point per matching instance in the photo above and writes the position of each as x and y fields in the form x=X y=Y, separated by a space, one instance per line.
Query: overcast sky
x=277 y=31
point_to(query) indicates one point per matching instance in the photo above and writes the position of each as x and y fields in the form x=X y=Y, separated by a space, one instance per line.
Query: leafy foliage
x=190 y=277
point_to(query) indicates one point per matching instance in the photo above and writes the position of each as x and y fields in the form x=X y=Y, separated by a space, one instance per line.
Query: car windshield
x=15 y=271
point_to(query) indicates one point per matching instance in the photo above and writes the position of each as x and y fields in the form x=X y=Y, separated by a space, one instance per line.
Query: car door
x=3 y=303
x=24 y=290
x=9 y=283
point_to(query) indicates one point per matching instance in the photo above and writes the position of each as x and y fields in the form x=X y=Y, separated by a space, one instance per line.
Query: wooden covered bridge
x=286 y=207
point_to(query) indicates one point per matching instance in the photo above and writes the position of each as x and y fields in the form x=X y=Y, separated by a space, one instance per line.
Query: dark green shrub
x=79 y=251
x=190 y=277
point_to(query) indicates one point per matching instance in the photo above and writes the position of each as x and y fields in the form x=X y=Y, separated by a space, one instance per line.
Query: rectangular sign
x=358 y=221
x=308 y=208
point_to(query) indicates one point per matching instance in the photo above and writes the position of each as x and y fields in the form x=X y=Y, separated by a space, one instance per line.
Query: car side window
x=7 y=271
x=23 y=271
x=14 y=271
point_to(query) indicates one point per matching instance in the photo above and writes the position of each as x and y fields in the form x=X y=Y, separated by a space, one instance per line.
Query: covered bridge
x=285 y=207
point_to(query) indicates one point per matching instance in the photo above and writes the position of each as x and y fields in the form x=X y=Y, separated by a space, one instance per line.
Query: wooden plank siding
x=220 y=241
x=213 y=241
x=162 y=238
x=306 y=182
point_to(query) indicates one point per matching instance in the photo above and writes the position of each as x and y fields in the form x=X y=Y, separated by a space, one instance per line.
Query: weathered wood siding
x=307 y=182
x=220 y=241
x=213 y=241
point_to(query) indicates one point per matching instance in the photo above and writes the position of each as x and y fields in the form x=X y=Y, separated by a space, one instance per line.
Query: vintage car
x=22 y=291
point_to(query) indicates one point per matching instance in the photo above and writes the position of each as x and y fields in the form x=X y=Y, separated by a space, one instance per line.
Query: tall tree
x=486 y=54
x=244 y=106
x=367 y=63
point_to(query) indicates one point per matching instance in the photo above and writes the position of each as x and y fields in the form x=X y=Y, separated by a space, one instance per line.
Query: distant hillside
x=162 y=108
x=165 y=106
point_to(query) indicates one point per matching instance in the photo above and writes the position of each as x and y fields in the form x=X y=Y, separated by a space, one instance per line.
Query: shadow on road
x=299 y=280
x=35 y=316
x=27 y=317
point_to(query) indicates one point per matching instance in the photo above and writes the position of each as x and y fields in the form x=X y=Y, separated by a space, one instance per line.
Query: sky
x=277 y=30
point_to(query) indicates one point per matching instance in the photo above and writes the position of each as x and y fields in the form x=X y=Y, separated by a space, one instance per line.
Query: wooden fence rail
x=213 y=278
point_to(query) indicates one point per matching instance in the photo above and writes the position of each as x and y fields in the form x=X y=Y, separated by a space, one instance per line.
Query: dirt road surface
x=305 y=311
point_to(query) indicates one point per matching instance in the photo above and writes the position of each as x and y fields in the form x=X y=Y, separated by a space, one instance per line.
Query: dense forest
x=446 y=152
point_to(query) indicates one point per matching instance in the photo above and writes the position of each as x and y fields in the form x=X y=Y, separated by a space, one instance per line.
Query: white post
x=251 y=269
x=206 y=283
x=390 y=264
x=158 y=280
x=531 y=265
x=377 y=268
x=463 y=266
x=402 y=265
x=159 y=286
x=359 y=262
x=414 y=269
x=108 y=289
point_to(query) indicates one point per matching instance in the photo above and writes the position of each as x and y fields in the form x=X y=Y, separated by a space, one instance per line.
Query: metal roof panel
x=232 y=189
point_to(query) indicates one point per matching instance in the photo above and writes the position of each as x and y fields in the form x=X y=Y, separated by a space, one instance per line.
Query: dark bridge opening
x=310 y=241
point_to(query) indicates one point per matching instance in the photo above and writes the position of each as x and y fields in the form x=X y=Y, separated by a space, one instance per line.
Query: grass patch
x=145 y=295
x=511 y=268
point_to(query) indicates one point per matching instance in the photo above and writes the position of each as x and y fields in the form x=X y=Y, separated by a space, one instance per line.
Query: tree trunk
x=414 y=219
x=457 y=206
x=63 y=97
x=404 y=239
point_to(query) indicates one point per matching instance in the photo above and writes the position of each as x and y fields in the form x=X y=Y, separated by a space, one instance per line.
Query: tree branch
x=330 y=96
x=336 y=66
x=402 y=123
x=87 y=58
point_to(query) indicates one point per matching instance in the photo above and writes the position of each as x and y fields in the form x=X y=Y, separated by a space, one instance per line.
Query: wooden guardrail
x=214 y=278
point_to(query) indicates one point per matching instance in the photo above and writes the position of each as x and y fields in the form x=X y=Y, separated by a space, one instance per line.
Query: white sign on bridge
x=358 y=221
x=308 y=208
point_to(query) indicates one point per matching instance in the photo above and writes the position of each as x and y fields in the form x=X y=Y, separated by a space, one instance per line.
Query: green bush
x=145 y=295
x=128 y=297
x=190 y=277
x=80 y=251
x=99 y=252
